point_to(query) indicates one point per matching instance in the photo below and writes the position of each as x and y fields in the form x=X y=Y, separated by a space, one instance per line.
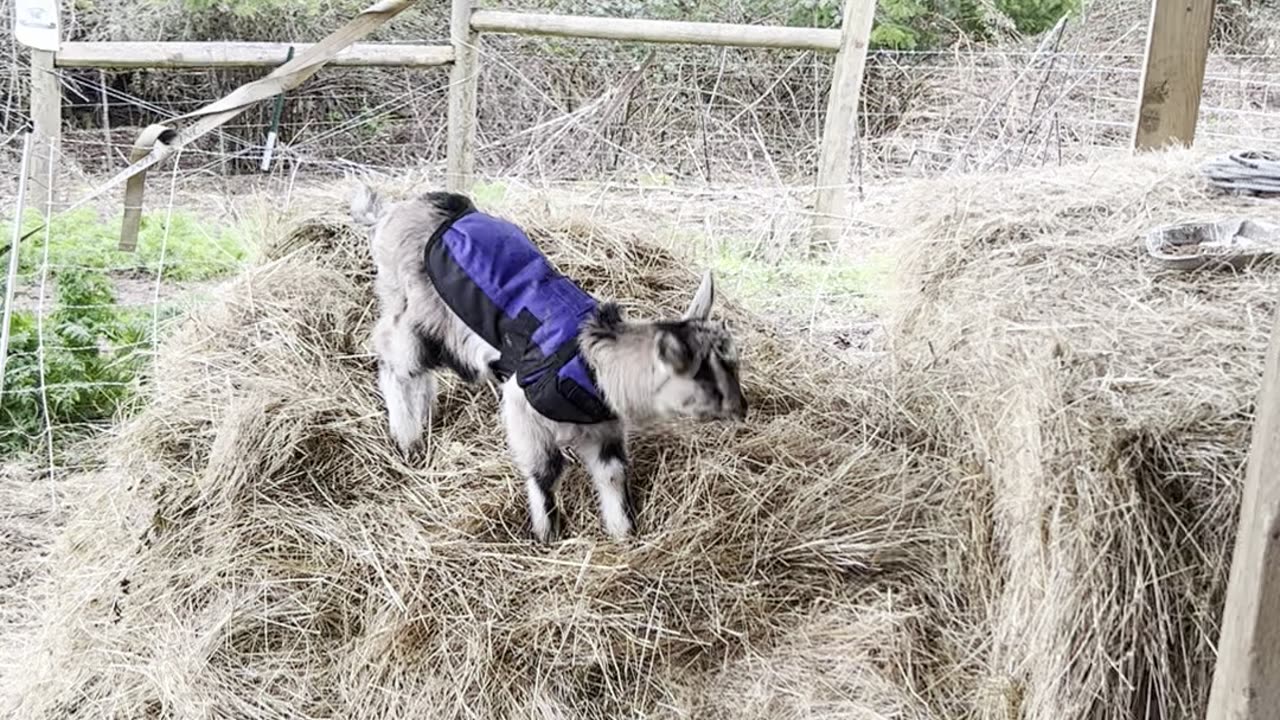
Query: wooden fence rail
x=165 y=55
x=657 y=31
x=462 y=57
x=1172 y=78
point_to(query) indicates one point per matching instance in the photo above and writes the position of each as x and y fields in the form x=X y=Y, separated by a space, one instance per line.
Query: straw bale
x=1107 y=402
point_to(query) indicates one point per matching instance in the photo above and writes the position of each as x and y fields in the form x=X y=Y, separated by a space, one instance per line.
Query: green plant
x=926 y=24
x=863 y=286
x=189 y=250
x=1032 y=17
x=82 y=360
x=489 y=193
x=92 y=354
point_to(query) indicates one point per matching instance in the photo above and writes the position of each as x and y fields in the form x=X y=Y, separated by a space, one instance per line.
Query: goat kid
x=469 y=292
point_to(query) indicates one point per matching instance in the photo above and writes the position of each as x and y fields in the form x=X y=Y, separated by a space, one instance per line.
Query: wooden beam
x=463 y=89
x=656 y=31
x=1246 y=681
x=46 y=120
x=159 y=141
x=1173 y=73
x=239 y=54
x=840 y=127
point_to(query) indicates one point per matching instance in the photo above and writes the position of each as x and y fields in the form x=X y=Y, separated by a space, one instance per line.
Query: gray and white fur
x=645 y=371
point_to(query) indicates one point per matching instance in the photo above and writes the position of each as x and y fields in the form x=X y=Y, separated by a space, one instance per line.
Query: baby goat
x=469 y=292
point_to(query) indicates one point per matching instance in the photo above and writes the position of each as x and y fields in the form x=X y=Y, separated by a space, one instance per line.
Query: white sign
x=36 y=24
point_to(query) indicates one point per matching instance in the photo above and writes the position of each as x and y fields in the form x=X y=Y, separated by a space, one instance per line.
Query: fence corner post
x=840 y=127
x=46 y=119
x=1246 y=678
x=463 y=82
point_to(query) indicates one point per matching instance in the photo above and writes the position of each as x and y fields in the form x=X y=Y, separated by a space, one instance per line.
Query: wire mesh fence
x=85 y=316
x=578 y=110
x=88 y=316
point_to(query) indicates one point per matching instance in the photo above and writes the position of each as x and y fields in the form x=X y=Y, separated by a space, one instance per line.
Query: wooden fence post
x=463 y=82
x=840 y=129
x=46 y=119
x=1246 y=680
x=1173 y=73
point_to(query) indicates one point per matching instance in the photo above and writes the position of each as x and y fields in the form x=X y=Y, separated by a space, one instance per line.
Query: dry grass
x=1027 y=516
x=1109 y=404
x=1051 y=102
x=254 y=548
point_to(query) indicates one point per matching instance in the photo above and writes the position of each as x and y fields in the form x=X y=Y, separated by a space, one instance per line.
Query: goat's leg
x=606 y=462
x=408 y=400
x=541 y=466
x=408 y=388
x=540 y=462
x=541 y=478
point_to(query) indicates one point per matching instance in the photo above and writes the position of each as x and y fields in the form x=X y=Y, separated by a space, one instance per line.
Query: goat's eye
x=704 y=372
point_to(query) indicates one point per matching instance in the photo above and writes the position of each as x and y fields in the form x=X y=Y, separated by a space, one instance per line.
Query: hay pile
x=254 y=547
x=1108 y=404
x=1028 y=516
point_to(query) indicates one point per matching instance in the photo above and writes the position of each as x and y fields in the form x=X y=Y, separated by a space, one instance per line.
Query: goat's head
x=668 y=368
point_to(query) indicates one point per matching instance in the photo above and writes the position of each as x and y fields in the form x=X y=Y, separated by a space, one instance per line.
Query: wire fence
x=581 y=110
x=88 y=317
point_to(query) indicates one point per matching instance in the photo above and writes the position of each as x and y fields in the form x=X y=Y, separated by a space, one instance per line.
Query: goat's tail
x=366 y=206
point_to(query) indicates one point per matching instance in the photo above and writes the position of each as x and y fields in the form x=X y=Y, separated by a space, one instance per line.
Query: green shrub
x=1032 y=17
x=94 y=351
x=928 y=24
x=92 y=354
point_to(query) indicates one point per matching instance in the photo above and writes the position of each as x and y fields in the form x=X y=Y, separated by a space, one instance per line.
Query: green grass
x=863 y=285
x=488 y=194
x=90 y=352
x=192 y=249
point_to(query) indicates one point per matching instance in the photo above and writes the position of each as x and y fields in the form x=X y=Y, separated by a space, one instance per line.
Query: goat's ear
x=674 y=351
x=609 y=316
x=700 y=308
x=366 y=206
x=605 y=325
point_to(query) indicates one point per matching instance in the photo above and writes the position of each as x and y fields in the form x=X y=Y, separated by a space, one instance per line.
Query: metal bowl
x=1231 y=242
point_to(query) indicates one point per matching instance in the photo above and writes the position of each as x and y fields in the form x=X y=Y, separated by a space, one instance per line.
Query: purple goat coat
x=496 y=281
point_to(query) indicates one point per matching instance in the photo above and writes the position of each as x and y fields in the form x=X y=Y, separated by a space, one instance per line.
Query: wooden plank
x=240 y=54
x=1173 y=73
x=840 y=127
x=656 y=31
x=158 y=141
x=463 y=88
x=1246 y=681
x=46 y=119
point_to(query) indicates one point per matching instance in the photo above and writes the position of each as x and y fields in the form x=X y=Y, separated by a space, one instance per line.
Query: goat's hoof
x=552 y=533
x=621 y=533
x=412 y=451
